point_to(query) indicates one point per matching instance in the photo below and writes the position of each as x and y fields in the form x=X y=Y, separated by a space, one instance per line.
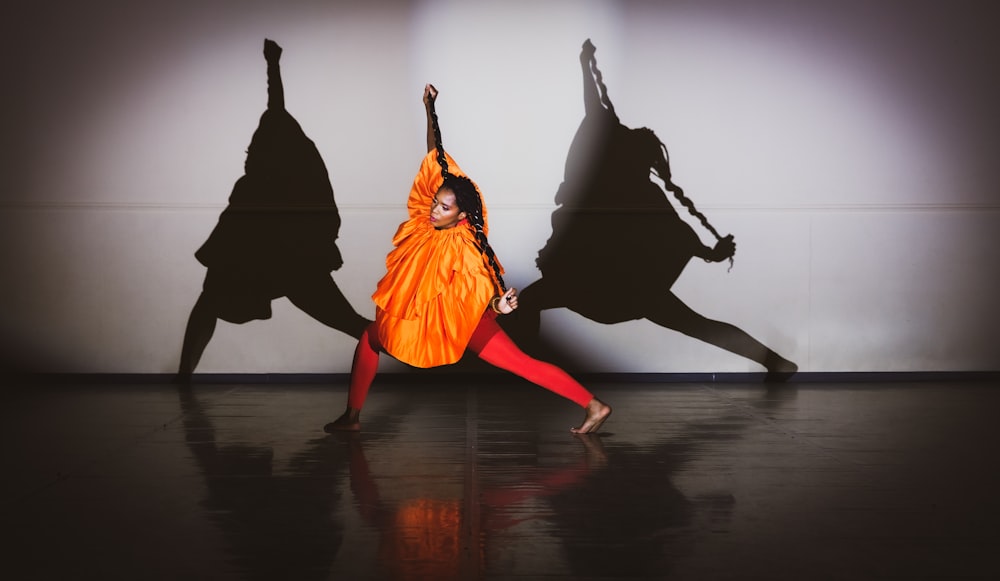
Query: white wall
x=847 y=145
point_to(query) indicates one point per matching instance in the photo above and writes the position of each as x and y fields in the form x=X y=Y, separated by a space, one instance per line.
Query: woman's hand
x=430 y=93
x=506 y=304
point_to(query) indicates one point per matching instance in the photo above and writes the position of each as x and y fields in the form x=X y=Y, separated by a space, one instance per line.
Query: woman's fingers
x=510 y=298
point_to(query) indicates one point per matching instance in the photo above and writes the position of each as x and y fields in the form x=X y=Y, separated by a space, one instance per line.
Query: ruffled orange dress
x=438 y=283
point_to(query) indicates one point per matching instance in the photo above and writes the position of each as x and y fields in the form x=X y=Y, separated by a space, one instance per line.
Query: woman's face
x=444 y=210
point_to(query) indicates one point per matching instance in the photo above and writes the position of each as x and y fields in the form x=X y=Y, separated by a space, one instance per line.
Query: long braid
x=468 y=199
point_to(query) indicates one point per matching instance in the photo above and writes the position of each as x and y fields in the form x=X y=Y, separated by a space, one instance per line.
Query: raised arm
x=430 y=94
x=436 y=162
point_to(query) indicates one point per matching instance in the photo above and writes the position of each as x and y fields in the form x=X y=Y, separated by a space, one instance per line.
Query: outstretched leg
x=199 y=331
x=492 y=345
x=672 y=313
x=322 y=299
x=363 y=371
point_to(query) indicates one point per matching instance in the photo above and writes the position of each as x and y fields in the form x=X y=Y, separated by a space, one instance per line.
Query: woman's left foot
x=597 y=413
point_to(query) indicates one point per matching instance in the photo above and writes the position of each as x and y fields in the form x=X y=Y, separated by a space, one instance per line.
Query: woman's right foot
x=597 y=413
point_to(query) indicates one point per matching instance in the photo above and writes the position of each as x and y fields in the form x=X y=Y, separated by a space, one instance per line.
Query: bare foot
x=349 y=422
x=597 y=412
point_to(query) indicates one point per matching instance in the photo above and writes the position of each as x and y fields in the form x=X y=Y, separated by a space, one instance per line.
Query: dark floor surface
x=880 y=481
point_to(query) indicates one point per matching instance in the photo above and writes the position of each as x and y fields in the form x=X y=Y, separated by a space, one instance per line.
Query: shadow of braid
x=662 y=169
x=661 y=165
x=599 y=79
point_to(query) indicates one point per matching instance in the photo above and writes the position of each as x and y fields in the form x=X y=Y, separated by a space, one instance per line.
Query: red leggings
x=491 y=344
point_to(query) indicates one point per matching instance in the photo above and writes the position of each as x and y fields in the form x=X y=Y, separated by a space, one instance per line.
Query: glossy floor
x=686 y=481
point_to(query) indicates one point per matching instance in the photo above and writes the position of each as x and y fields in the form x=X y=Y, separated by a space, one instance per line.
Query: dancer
x=618 y=244
x=277 y=238
x=444 y=290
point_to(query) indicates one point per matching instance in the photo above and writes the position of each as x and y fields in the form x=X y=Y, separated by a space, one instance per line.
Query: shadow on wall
x=277 y=238
x=618 y=244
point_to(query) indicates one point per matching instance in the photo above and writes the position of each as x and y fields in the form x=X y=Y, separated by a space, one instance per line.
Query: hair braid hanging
x=461 y=186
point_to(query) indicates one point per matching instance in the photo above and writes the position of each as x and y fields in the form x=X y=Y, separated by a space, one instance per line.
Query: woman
x=444 y=289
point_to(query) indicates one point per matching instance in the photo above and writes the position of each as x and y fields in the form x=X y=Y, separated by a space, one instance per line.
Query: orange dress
x=438 y=283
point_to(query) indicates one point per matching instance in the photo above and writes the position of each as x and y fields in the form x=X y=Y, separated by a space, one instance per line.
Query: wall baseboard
x=452 y=377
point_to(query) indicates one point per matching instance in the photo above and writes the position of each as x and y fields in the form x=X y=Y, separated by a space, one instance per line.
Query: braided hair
x=468 y=199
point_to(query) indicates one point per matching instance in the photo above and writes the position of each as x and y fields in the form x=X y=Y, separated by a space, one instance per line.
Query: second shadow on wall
x=618 y=244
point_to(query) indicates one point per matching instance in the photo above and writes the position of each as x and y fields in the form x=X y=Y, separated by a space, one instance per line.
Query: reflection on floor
x=686 y=481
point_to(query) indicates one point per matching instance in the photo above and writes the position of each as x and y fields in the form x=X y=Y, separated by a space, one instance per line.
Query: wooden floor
x=686 y=481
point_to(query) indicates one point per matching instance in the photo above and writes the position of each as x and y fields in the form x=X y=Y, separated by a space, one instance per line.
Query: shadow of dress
x=280 y=227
